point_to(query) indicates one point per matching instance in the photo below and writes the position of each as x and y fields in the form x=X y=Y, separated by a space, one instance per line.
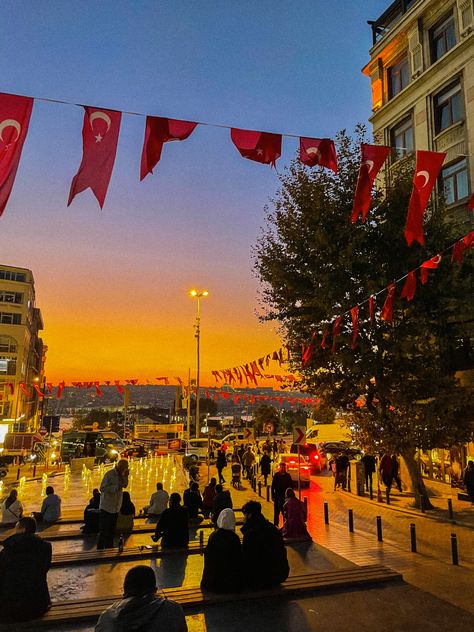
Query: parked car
x=316 y=457
x=134 y=450
x=198 y=448
x=291 y=461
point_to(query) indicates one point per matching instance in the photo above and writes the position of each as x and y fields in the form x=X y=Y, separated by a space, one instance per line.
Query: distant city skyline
x=113 y=284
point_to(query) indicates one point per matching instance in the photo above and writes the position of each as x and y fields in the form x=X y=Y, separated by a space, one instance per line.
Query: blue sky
x=278 y=66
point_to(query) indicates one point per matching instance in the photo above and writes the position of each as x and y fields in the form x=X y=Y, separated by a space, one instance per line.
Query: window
x=443 y=37
x=10 y=319
x=402 y=138
x=8 y=275
x=448 y=107
x=398 y=76
x=454 y=181
x=11 y=297
x=7 y=344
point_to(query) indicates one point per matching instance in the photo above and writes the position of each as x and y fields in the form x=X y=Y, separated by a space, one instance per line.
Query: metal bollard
x=387 y=495
x=450 y=509
x=201 y=538
x=454 y=549
x=413 y=537
x=18 y=474
x=379 y=529
x=326 y=513
x=351 y=521
x=34 y=470
x=305 y=502
x=268 y=494
x=259 y=488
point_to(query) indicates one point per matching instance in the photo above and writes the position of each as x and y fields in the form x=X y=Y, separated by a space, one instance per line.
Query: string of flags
x=333 y=329
x=254 y=399
x=252 y=371
x=100 y=134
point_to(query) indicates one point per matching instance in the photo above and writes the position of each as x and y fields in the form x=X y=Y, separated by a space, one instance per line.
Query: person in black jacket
x=280 y=483
x=263 y=550
x=221 y=463
x=192 y=500
x=223 y=568
x=24 y=564
x=222 y=500
x=92 y=513
x=265 y=466
x=173 y=525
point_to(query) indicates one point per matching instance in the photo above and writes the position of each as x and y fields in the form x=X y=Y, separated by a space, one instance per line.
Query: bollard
x=351 y=521
x=454 y=549
x=413 y=537
x=379 y=529
x=268 y=494
x=201 y=538
x=450 y=509
x=34 y=470
x=387 y=495
x=371 y=493
x=18 y=474
x=326 y=513
x=259 y=488
x=305 y=502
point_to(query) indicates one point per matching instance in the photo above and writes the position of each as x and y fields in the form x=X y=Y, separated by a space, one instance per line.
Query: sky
x=113 y=284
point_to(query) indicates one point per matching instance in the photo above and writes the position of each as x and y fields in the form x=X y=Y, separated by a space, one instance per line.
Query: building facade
x=422 y=77
x=21 y=352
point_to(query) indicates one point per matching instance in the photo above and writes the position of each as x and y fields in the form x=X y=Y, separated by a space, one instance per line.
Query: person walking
x=264 y=556
x=221 y=463
x=468 y=480
x=396 y=472
x=265 y=466
x=24 y=564
x=173 y=526
x=280 y=483
x=369 y=469
x=111 y=489
x=158 y=502
x=249 y=460
x=223 y=565
x=208 y=496
x=141 y=608
x=12 y=509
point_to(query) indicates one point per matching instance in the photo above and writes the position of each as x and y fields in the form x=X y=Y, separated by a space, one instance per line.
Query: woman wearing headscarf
x=126 y=515
x=223 y=565
x=294 y=513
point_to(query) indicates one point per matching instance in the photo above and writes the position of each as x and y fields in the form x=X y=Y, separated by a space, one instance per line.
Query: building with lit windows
x=421 y=70
x=21 y=351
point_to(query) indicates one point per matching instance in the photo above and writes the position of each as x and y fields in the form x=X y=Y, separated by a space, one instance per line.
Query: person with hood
x=173 y=525
x=295 y=516
x=222 y=500
x=91 y=514
x=12 y=509
x=141 y=608
x=263 y=550
x=111 y=489
x=24 y=564
x=223 y=568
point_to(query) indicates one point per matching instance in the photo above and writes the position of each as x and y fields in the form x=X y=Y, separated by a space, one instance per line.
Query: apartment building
x=21 y=351
x=421 y=70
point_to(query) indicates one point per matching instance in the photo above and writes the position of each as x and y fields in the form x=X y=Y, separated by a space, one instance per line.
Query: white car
x=291 y=461
x=198 y=448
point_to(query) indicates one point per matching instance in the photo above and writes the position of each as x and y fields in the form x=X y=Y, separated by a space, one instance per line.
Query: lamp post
x=198 y=295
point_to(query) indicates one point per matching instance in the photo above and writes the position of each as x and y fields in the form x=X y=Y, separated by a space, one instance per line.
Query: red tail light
x=315 y=457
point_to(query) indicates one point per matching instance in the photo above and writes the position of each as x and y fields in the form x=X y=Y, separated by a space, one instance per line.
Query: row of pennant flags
x=236 y=398
x=100 y=133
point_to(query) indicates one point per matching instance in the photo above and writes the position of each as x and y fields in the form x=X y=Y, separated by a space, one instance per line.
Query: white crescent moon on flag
x=425 y=175
x=314 y=152
x=10 y=123
x=100 y=115
x=370 y=165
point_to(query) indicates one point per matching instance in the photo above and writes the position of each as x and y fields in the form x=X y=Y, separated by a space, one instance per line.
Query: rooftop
x=389 y=18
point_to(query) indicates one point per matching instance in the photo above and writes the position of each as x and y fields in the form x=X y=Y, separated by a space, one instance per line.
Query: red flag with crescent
x=15 y=113
x=460 y=246
x=318 y=151
x=371 y=161
x=387 y=309
x=355 y=325
x=259 y=146
x=426 y=266
x=428 y=166
x=100 y=132
x=159 y=130
x=409 y=287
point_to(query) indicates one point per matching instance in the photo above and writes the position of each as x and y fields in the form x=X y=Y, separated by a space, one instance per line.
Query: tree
x=314 y=265
x=263 y=414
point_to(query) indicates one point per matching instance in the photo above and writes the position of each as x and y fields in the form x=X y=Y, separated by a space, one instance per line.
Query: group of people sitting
x=12 y=508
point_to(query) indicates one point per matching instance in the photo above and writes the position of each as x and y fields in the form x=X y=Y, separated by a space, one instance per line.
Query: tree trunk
x=422 y=500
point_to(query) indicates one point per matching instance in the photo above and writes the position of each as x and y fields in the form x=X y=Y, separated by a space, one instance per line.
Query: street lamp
x=198 y=295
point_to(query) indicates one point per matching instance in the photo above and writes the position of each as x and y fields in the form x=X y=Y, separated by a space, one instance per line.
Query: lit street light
x=198 y=295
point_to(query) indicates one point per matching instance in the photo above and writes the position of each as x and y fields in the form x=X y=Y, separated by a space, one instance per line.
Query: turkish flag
x=371 y=161
x=158 y=131
x=409 y=287
x=428 y=166
x=15 y=115
x=426 y=266
x=259 y=146
x=355 y=325
x=100 y=133
x=318 y=151
x=460 y=246
x=336 y=330
x=387 y=309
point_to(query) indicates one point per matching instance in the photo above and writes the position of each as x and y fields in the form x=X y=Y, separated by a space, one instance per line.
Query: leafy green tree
x=314 y=265
x=293 y=417
x=263 y=414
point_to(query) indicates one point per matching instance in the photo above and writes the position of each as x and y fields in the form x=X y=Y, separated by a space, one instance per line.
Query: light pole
x=198 y=295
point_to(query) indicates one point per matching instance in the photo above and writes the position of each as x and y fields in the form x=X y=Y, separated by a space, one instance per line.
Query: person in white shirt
x=111 y=492
x=51 y=507
x=158 y=501
x=12 y=509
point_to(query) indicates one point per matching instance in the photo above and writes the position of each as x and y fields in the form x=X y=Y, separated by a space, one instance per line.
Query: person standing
x=24 y=564
x=111 y=489
x=294 y=512
x=386 y=470
x=369 y=469
x=12 y=509
x=280 y=483
x=265 y=466
x=264 y=553
x=468 y=480
x=396 y=472
x=208 y=496
x=249 y=460
x=221 y=463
